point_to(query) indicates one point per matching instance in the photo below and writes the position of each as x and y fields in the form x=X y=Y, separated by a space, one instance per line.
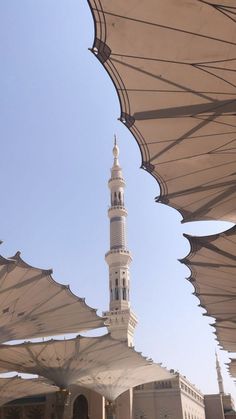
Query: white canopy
x=103 y=364
x=17 y=387
x=226 y=334
x=232 y=367
x=212 y=261
x=112 y=382
x=32 y=304
x=173 y=66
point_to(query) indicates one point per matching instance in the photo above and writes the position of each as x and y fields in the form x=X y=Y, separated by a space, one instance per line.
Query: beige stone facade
x=219 y=406
x=170 y=399
x=214 y=406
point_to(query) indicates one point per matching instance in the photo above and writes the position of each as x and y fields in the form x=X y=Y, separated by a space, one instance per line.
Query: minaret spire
x=219 y=376
x=121 y=319
x=116 y=152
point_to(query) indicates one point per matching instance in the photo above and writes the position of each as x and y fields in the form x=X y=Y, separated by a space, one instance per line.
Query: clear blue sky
x=58 y=114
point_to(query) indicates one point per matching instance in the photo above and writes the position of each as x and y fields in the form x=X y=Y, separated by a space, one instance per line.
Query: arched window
x=80 y=408
x=124 y=294
x=116 y=294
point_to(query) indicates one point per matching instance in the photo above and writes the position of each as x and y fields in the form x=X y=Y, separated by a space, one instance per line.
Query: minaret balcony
x=117 y=181
x=118 y=257
x=117 y=211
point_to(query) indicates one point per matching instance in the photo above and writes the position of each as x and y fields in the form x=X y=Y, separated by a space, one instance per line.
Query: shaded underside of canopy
x=232 y=367
x=103 y=364
x=16 y=387
x=173 y=66
x=212 y=261
x=111 y=384
x=226 y=334
x=32 y=304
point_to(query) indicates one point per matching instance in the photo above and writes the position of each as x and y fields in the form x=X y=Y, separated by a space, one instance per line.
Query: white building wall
x=154 y=404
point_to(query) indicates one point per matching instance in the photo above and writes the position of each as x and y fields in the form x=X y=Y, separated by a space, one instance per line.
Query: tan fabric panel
x=103 y=364
x=232 y=368
x=32 y=304
x=226 y=335
x=16 y=387
x=212 y=262
x=173 y=66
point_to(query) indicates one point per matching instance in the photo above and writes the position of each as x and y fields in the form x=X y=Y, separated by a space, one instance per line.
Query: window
x=116 y=294
x=124 y=293
x=116 y=282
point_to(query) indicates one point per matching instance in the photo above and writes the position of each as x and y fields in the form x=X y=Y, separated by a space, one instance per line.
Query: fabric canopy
x=173 y=66
x=212 y=261
x=232 y=367
x=16 y=387
x=103 y=364
x=112 y=383
x=32 y=304
x=226 y=334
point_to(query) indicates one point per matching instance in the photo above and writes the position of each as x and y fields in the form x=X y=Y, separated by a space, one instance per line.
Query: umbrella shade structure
x=98 y=363
x=232 y=367
x=173 y=66
x=212 y=261
x=113 y=383
x=32 y=304
x=226 y=335
x=16 y=387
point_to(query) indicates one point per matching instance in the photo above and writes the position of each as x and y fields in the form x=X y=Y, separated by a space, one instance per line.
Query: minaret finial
x=115 y=152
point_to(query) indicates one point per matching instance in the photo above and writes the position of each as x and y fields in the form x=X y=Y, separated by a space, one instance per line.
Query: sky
x=58 y=115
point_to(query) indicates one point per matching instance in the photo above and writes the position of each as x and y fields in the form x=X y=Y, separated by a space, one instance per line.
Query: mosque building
x=174 y=398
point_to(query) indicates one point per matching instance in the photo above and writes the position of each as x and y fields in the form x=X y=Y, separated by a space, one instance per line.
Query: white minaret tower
x=219 y=376
x=121 y=320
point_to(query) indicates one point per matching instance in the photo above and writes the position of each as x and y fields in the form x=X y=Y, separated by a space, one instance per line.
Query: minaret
x=121 y=320
x=219 y=376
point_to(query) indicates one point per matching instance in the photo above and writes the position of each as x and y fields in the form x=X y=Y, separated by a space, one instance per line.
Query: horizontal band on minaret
x=116 y=219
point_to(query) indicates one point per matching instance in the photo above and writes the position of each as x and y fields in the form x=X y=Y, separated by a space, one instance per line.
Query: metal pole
x=62 y=400
x=110 y=410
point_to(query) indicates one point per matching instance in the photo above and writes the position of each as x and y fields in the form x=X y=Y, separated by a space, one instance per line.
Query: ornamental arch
x=80 y=408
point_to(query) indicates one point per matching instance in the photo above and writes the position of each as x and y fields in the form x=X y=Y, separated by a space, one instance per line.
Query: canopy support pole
x=110 y=410
x=62 y=400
